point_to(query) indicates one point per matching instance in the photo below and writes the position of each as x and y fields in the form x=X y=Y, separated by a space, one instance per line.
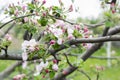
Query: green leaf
x=11 y=11
x=56 y=46
x=55 y=8
x=31 y=6
x=76 y=33
x=43 y=21
x=108 y=24
x=52 y=74
x=108 y=14
x=25 y=26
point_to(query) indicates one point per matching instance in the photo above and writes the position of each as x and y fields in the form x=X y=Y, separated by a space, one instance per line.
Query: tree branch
x=95 y=25
x=68 y=60
x=71 y=42
x=15 y=19
x=86 y=40
x=10 y=69
x=12 y=25
x=97 y=57
x=16 y=57
x=84 y=57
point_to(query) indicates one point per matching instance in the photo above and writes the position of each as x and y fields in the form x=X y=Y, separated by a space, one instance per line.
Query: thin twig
x=12 y=25
x=68 y=60
x=83 y=72
x=15 y=19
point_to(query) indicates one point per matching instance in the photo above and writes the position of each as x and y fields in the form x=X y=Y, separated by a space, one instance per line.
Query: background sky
x=87 y=8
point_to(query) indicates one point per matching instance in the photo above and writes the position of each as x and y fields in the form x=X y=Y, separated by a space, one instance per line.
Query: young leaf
x=51 y=74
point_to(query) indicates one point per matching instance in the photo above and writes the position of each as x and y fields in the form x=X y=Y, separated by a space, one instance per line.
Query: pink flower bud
x=16 y=12
x=113 y=5
x=70 y=36
x=43 y=76
x=19 y=77
x=44 y=14
x=37 y=14
x=70 y=8
x=86 y=36
x=36 y=0
x=25 y=19
x=77 y=27
x=52 y=42
x=55 y=61
x=8 y=37
x=47 y=71
x=64 y=72
x=37 y=48
x=84 y=44
x=24 y=8
x=44 y=1
x=85 y=29
x=113 y=11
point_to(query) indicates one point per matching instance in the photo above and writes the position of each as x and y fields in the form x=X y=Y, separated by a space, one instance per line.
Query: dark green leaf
x=52 y=74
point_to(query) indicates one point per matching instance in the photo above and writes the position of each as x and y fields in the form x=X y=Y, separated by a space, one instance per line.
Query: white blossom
x=57 y=32
x=24 y=56
x=40 y=67
x=70 y=30
x=29 y=45
x=25 y=44
x=24 y=64
x=59 y=41
x=32 y=42
x=55 y=67
x=70 y=36
x=8 y=37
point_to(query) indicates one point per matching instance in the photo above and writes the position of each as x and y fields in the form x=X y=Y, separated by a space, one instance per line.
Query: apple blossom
x=40 y=67
x=8 y=37
x=55 y=67
x=24 y=64
x=57 y=32
x=59 y=23
x=77 y=27
x=24 y=56
x=70 y=36
x=70 y=31
x=19 y=77
x=29 y=45
x=26 y=19
x=24 y=7
x=60 y=41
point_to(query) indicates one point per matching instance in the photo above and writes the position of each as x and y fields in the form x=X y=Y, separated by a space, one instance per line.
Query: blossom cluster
x=5 y=42
x=43 y=67
x=62 y=32
x=56 y=31
x=28 y=47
